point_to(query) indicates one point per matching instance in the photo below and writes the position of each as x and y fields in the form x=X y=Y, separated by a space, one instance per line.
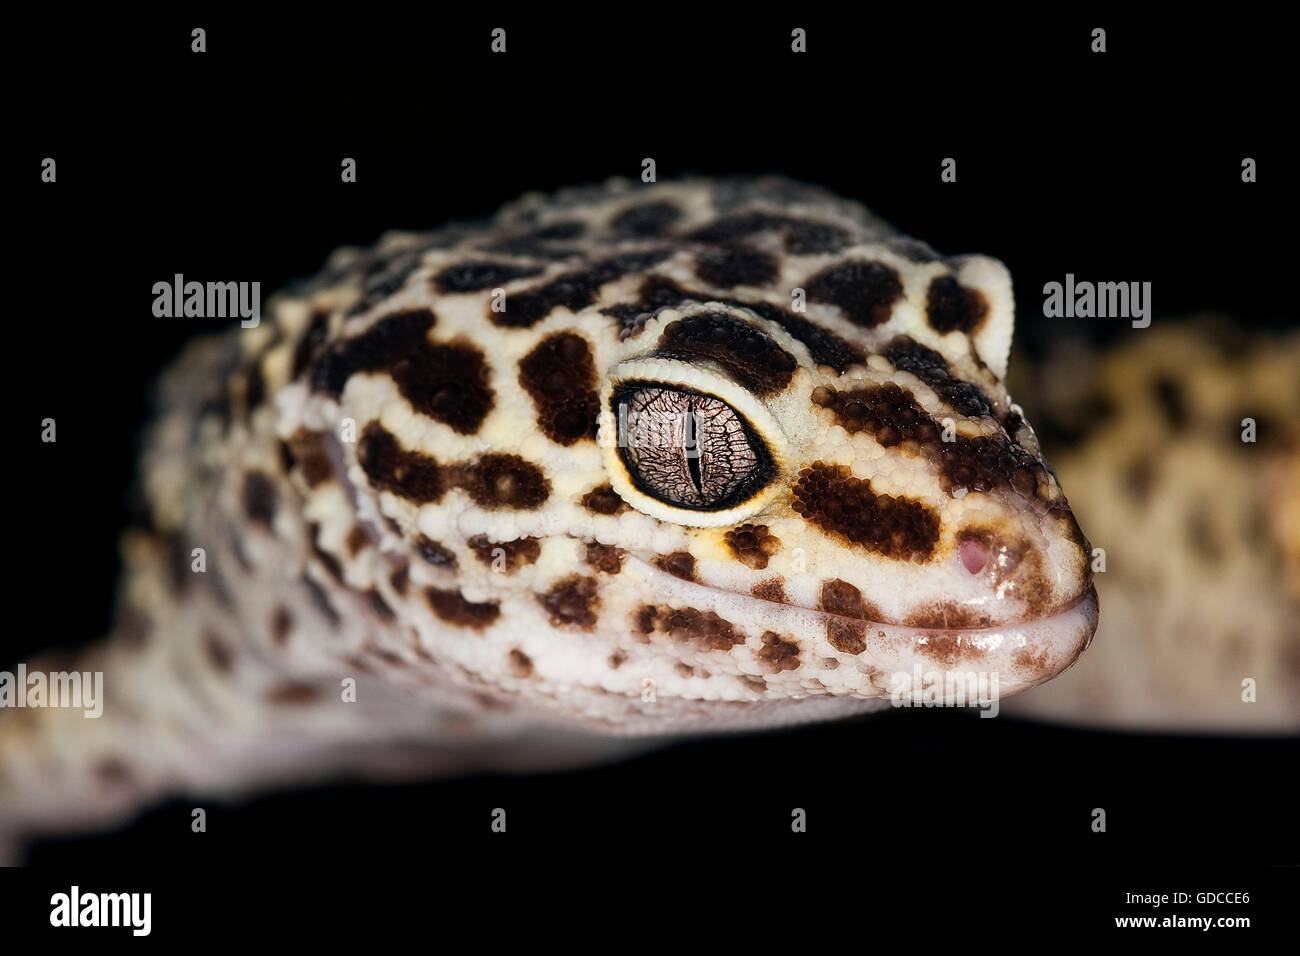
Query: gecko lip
x=1060 y=610
x=1025 y=652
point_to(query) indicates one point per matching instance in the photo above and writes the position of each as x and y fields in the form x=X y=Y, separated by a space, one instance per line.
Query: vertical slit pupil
x=693 y=449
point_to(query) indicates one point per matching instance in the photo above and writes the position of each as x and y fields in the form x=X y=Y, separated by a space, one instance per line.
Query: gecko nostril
x=974 y=555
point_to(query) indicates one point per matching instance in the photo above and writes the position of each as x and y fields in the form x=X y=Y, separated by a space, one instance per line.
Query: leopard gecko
x=626 y=461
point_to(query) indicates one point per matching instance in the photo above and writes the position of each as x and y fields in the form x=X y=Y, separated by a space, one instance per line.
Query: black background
x=1123 y=166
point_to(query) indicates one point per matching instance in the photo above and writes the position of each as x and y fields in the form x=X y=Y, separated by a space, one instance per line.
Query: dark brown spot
x=657 y=292
x=773 y=589
x=930 y=367
x=1173 y=404
x=1012 y=422
x=988 y=463
x=603 y=500
x=384 y=276
x=679 y=564
x=503 y=481
x=380 y=606
x=864 y=291
x=312 y=339
x=604 y=557
x=511 y=554
x=644 y=620
x=400 y=578
x=357 y=539
x=617 y=659
x=293 y=694
x=559 y=376
x=218 y=651
x=726 y=266
x=704 y=628
x=944 y=649
x=572 y=290
x=447 y=382
x=778 y=654
x=947 y=615
x=953 y=307
x=646 y=219
x=391 y=658
x=310 y=451
x=494 y=702
x=376 y=349
x=749 y=355
x=831 y=498
x=321 y=601
x=843 y=599
x=572 y=602
x=434 y=553
x=359 y=664
x=113 y=771
x=454 y=609
x=327 y=560
x=254 y=387
x=259 y=498
x=886 y=412
x=752 y=544
x=892 y=417
x=840 y=597
x=473 y=276
x=1026 y=659
x=802 y=236
x=390 y=467
x=520 y=664
x=281 y=625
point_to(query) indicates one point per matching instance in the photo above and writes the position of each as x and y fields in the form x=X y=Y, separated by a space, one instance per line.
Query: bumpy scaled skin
x=411 y=474
x=1201 y=529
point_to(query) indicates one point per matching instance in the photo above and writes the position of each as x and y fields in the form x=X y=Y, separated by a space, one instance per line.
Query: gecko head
x=849 y=532
x=739 y=506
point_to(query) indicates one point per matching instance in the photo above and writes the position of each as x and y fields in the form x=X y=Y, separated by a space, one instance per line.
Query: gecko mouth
x=1026 y=652
x=677 y=584
x=1063 y=609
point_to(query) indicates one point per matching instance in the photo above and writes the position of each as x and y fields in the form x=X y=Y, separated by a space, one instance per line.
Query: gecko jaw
x=1023 y=653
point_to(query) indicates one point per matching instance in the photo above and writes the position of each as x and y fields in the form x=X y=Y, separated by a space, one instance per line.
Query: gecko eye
x=688 y=449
